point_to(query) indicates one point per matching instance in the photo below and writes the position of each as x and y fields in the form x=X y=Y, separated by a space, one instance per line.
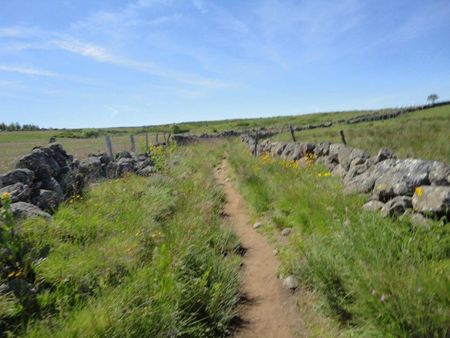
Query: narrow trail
x=269 y=310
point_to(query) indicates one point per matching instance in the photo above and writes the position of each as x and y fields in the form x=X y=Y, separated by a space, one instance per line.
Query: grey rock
x=257 y=225
x=123 y=154
x=124 y=165
x=296 y=152
x=397 y=206
x=400 y=177
x=373 y=206
x=288 y=151
x=91 y=168
x=53 y=185
x=419 y=220
x=24 y=176
x=344 y=157
x=384 y=154
x=306 y=148
x=147 y=171
x=40 y=162
x=277 y=148
x=322 y=149
x=18 y=192
x=432 y=200
x=48 y=200
x=27 y=210
x=327 y=162
x=290 y=282
x=286 y=232
x=334 y=150
x=439 y=173
x=339 y=170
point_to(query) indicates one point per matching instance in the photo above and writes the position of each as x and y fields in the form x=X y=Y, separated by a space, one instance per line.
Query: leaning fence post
x=109 y=146
x=133 y=144
x=255 y=151
x=292 y=134
x=343 y=137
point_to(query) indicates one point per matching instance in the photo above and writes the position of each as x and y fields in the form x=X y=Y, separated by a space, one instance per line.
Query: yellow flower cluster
x=419 y=191
x=6 y=197
x=156 y=151
x=325 y=174
x=310 y=159
x=290 y=164
x=15 y=274
x=266 y=159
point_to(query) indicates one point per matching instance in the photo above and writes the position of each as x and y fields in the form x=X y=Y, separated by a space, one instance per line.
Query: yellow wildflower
x=419 y=191
x=6 y=197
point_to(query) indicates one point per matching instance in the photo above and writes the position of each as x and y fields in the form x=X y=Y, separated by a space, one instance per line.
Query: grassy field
x=133 y=257
x=377 y=277
x=423 y=134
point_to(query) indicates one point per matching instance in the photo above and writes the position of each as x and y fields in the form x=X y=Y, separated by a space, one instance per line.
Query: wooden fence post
x=343 y=137
x=109 y=146
x=255 y=151
x=292 y=134
x=146 y=141
x=156 y=138
x=133 y=144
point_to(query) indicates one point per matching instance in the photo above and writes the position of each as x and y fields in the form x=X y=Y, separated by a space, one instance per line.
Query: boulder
x=48 y=200
x=40 y=162
x=91 y=168
x=27 y=210
x=334 y=150
x=357 y=167
x=396 y=206
x=25 y=176
x=287 y=151
x=277 y=148
x=339 y=170
x=373 y=206
x=146 y=171
x=432 y=200
x=344 y=157
x=439 y=173
x=296 y=152
x=123 y=154
x=71 y=180
x=53 y=185
x=124 y=165
x=18 y=192
x=322 y=149
x=400 y=178
x=384 y=154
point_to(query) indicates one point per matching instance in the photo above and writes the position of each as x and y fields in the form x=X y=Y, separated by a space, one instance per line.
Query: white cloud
x=28 y=71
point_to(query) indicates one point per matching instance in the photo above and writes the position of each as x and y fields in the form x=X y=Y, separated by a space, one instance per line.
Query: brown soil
x=268 y=309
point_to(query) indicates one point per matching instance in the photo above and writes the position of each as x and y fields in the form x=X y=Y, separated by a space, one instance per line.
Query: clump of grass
x=377 y=276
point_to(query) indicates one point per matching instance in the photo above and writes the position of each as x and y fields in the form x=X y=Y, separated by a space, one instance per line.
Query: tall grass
x=138 y=257
x=378 y=277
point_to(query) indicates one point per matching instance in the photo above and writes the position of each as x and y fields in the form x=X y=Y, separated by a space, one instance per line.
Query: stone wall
x=395 y=186
x=48 y=176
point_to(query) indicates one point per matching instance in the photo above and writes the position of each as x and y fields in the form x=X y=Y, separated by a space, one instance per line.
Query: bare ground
x=268 y=310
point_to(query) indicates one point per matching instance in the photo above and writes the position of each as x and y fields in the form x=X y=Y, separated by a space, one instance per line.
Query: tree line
x=17 y=127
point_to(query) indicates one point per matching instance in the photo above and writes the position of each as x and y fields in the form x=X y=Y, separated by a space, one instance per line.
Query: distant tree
x=432 y=98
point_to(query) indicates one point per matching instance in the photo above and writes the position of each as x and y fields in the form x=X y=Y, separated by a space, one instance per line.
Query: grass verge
x=377 y=277
x=135 y=257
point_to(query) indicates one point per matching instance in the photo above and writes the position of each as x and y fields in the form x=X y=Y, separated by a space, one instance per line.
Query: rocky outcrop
x=395 y=186
x=48 y=176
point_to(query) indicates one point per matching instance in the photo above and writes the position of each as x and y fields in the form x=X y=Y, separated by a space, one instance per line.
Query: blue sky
x=98 y=63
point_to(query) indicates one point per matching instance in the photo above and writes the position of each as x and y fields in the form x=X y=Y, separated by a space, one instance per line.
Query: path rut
x=270 y=310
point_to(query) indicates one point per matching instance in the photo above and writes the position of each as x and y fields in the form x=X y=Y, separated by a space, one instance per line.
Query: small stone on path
x=286 y=232
x=290 y=282
x=257 y=225
x=275 y=252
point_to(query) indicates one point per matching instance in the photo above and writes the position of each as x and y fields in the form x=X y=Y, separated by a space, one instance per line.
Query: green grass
x=377 y=277
x=137 y=257
x=422 y=134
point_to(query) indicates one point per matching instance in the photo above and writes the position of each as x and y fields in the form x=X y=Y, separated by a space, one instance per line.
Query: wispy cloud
x=28 y=71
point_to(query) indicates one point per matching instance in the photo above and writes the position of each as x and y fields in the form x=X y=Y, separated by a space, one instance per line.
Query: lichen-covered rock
x=277 y=148
x=373 y=206
x=384 y=154
x=432 y=200
x=40 y=162
x=401 y=177
x=288 y=151
x=322 y=149
x=396 y=206
x=18 y=192
x=91 y=168
x=439 y=173
x=339 y=170
x=48 y=200
x=27 y=210
x=24 y=176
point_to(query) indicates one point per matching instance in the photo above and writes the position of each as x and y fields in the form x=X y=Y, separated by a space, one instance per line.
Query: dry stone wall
x=396 y=187
x=48 y=176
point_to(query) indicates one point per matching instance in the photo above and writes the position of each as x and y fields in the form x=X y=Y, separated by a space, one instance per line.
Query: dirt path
x=270 y=310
